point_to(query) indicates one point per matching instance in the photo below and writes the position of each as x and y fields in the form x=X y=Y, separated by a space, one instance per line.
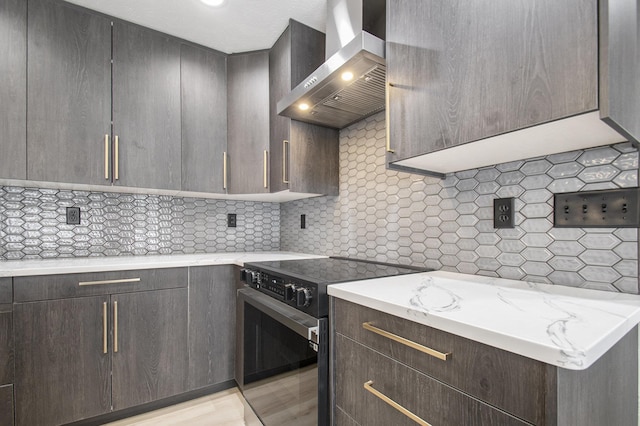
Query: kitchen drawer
x=47 y=287
x=427 y=398
x=6 y=405
x=511 y=382
x=6 y=292
x=343 y=419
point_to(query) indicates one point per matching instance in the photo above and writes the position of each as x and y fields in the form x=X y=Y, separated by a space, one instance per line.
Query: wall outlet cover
x=303 y=221
x=73 y=215
x=503 y=213
x=232 y=220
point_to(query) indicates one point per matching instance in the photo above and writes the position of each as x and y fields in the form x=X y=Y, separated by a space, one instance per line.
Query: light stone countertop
x=562 y=326
x=20 y=268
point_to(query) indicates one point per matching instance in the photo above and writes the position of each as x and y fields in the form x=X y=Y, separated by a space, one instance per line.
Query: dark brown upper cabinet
x=13 y=108
x=146 y=108
x=204 y=119
x=304 y=157
x=481 y=83
x=620 y=66
x=69 y=94
x=82 y=71
x=248 y=122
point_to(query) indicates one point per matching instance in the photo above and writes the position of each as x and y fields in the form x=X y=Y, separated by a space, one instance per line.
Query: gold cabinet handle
x=265 y=162
x=224 y=170
x=387 y=117
x=104 y=328
x=124 y=280
x=106 y=157
x=115 y=327
x=116 y=155
x=369 y=387
x=284 y=161
x=406 y=342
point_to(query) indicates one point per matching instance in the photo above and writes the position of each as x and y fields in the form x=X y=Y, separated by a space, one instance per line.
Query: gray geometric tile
x=598 y=156
x=565 y=170
x=599 y=274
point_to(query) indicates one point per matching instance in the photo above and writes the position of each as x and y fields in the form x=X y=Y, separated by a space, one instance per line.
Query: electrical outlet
x=73 y=215
x=303 y=221
x=232 y=220
x=615 y=208
x=503 y=213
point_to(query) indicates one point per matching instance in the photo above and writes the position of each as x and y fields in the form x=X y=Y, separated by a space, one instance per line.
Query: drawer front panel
x=47 y=287
x=511 y=382
x=343 y=419
x=425 y=397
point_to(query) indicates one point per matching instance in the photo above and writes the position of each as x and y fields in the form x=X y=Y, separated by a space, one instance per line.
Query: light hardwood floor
x=226 y=408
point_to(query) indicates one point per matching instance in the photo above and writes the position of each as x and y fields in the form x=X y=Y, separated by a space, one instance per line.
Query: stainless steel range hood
x=330 y=98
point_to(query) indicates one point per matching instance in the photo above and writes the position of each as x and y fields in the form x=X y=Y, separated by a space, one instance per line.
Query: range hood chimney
x=350 y=85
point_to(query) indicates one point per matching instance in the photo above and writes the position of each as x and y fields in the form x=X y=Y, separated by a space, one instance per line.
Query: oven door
x=283 y=361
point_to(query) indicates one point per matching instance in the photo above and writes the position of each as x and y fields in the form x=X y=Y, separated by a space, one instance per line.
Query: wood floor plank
x=226 y=408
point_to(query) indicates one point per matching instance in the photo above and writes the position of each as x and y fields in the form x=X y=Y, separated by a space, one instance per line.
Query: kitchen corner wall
x=448 y=224
x=32 y=225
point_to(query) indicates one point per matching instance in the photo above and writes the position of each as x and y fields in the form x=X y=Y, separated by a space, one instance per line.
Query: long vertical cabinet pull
x=116 y=155
x=106 y=157
x=105 y=347
x=224 y=170
x=387 y=117
x=265 y=165
x=284 y=161
x=115 y=327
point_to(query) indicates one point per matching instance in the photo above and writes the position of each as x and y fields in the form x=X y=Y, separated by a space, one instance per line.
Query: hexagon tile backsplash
x=448 y=224
x=32 y=224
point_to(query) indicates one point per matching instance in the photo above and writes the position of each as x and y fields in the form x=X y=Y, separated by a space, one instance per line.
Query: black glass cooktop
x=332 y=270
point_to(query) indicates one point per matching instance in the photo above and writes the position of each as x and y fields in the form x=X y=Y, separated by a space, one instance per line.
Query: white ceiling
x=237 y=26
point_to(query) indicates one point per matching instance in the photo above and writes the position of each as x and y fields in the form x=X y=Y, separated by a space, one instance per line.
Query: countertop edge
x=520 y=345
x=22 y=268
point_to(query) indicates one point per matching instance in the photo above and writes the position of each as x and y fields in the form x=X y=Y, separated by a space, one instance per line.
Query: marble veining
x=563 y=326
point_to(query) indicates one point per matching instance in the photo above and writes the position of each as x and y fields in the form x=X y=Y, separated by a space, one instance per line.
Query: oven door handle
x=303 y=324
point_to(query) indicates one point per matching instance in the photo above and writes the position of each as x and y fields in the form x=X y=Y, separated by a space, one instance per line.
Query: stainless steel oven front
x=283 y=362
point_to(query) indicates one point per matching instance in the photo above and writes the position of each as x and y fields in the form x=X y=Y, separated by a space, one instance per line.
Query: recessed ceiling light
x=303 y=107
x=214 y=3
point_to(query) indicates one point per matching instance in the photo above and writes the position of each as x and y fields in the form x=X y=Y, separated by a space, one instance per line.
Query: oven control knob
x=289 y=292
x=303 y=297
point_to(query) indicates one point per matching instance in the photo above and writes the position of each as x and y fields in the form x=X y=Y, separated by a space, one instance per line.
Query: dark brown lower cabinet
x=431 y=400
x=62 y=370
x=476 y=385
x=85 y=356
x=212 y=310
x=6 y=405
x=150 y=360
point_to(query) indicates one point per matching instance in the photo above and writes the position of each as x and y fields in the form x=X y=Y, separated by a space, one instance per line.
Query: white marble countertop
x=20 y=268
x=562 y=326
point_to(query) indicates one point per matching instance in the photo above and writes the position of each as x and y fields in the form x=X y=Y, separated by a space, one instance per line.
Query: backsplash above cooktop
x=448 y=224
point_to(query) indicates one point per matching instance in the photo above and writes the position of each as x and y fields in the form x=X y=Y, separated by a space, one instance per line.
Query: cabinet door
x=146 y=108
x=204 y=119
x=13 y=86
x=6 y=347
x=69 y=94
x=150 y=331
x=248 y=122
x=212 y=309
x=315 y=163
x=462 y=71
x=61 y=371
x=6 y=405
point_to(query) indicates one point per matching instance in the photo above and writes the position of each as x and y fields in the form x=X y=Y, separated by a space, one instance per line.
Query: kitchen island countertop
x=562 y=326
x=19 y=268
